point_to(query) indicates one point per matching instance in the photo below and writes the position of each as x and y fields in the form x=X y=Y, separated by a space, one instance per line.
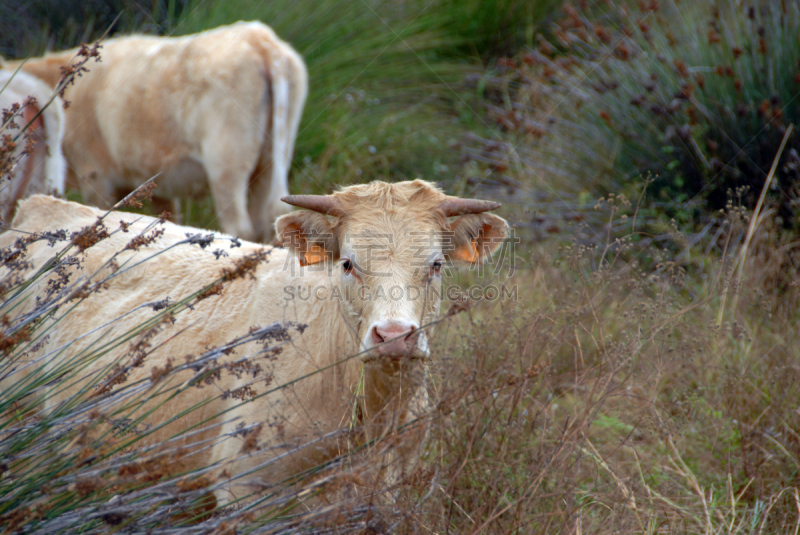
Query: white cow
x=361 y=271
x=219 y=108
x=42 y=169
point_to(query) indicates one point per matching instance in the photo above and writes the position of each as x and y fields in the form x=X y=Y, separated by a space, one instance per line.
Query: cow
x=216 y=110
x=42 y=169
x=359 y=276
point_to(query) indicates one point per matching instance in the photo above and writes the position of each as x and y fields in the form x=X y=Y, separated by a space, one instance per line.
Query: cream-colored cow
x=219 y=108
x=361 y=271
x=43 y=169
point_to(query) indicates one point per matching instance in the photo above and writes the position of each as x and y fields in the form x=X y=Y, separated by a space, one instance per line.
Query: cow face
x=386 y=248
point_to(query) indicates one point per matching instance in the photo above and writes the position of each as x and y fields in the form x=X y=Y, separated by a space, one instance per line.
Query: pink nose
x=394 y=337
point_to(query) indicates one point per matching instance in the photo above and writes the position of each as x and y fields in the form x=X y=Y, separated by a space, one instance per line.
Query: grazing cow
x=42 y=169
x=217 y=109
x=361 y=272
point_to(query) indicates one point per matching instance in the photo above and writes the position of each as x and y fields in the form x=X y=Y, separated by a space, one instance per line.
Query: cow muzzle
x=395 y=339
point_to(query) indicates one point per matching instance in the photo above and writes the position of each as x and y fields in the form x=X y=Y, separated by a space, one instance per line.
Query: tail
x=289 y=91
x=56 y=164
x=286 y=81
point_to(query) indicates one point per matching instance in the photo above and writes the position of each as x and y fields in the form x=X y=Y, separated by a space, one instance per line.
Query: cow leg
x=95 y=174
x=229 y=189
x=177 y=214
x=231 y=208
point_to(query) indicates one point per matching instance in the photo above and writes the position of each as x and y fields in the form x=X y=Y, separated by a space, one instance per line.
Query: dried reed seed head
x=143 y=240
x=245 y=265
x=141 y=194
x=89 y=235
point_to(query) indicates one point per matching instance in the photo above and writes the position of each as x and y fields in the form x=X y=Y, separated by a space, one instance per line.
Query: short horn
x=453 y=206
x=324 y=204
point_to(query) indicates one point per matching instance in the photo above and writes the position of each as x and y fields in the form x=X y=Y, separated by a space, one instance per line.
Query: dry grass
x=606 y=398
x=609 y=398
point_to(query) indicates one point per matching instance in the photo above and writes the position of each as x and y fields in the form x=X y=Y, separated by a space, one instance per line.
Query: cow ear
x=308 y=235
x=476 y=237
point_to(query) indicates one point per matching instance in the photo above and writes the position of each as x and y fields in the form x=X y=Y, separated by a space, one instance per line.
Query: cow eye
x=347 y=266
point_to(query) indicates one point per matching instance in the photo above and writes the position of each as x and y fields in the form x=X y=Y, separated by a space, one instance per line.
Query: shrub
x=620 y=392
x=699 y=95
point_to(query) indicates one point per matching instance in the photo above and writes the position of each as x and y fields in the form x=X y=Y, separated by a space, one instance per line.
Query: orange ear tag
x=314 y=256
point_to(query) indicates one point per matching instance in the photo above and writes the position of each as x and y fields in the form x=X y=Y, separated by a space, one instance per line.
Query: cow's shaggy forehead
x=415 y=200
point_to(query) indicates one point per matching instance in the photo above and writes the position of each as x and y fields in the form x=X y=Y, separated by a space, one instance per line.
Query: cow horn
x=324 y=204
x=453 y=206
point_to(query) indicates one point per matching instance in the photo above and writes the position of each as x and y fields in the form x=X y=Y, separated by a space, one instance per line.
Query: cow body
x=343 y=358
x=216 y=110
x=43 y=169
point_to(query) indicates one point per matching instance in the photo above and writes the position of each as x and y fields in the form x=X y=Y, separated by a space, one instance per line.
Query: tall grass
x=612 y=398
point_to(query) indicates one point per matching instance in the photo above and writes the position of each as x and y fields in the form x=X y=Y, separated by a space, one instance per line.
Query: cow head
x=385 y=246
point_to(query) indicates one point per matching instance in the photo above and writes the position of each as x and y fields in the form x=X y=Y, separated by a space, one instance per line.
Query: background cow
x=358 y=358
x=42 y=170
x=218 y=108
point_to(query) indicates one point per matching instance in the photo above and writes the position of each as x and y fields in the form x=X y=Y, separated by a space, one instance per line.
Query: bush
x=699 y=95
x=603 y=396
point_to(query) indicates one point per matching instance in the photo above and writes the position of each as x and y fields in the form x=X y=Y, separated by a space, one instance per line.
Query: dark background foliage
x=32 y=27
